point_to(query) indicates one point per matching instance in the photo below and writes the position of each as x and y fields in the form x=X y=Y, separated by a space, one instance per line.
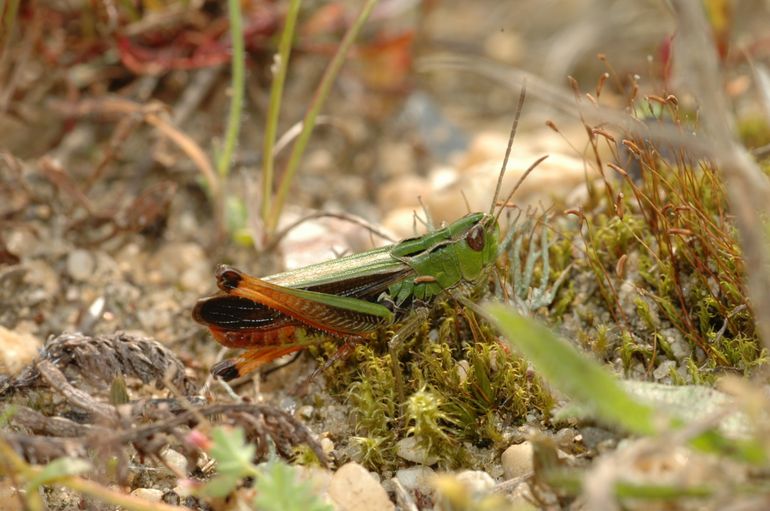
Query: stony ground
x=108 y=232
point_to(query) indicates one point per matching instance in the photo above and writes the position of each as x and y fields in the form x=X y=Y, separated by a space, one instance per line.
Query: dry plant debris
x=84 y=423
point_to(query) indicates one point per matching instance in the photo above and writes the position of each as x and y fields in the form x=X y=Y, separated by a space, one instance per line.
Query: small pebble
x=593 y=436
x=557 y=177
x=42 y=279
x=663 y=371
x=402 y=191
x=327 y=446
x=176 y=461
x=416 y=478
x=288 y=404
x=319 y=478
x=17 y=349
x=80 y=265
x=150 y=494
x=196 y=278
x=410 y=450
x=306 y=412
x=504 y=46
x=401 y=222
x=487 y=145
x=565 y=437
x=521 y=499
x=174 y=259
x=21 y=242
x=463 y=367
x=353 y=488
x=10 y=496
x=396 y=158
x=517 y=460
x=477 y=481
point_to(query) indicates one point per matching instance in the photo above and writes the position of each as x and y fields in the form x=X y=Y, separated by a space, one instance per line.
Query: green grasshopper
x=351 y=297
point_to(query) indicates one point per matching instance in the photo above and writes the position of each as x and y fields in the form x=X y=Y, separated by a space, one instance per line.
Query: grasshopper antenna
x=518 y=184
x=515 y=125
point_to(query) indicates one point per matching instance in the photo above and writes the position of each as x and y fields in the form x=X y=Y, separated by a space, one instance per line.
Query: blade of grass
x=572 y=373
x=62 y=472
x=8 y=10
x=236 y=88
x=319 y=99
x=276 y=95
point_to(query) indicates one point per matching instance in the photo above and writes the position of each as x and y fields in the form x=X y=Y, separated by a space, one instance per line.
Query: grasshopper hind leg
x=247 y=362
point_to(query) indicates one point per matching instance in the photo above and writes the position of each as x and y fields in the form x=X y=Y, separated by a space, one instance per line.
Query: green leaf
x=232 y=452
x=219 y=486
x=573 y=373
x=6 y=414
x=233 y=455
x=58 y=469
x=279 y=490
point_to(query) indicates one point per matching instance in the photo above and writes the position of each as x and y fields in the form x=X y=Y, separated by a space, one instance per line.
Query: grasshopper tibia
x=225 y=369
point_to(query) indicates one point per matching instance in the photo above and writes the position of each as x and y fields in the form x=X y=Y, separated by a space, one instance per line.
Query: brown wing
x=239 y=322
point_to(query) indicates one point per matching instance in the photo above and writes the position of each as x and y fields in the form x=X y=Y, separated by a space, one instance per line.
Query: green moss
x=667 y=233
x=656 y=253
x=754 y=131
x=460 y=386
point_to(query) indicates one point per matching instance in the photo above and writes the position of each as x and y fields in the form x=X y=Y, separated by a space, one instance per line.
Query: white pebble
x=517 y=460
x=176 y=461
x=477 y=481
x=150 y=494
x=80 y=265
x=410 y=450
x=416 y=478
x=17 y=349
x=353 y=488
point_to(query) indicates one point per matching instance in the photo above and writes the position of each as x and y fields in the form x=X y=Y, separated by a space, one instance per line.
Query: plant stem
x=116 y=498
x=280 y=66
x=319 y=99
x=236 y=86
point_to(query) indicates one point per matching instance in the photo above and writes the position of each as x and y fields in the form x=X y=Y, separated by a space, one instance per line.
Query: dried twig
x=76 y=397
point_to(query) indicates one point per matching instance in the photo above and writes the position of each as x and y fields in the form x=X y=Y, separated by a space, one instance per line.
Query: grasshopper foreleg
x=408 y=328
x=342 y=353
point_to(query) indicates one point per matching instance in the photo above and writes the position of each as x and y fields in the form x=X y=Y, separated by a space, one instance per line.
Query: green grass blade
x=276 y=95
x=319 y=99
x=236 y=88
x=572 y=373
x=8 y=10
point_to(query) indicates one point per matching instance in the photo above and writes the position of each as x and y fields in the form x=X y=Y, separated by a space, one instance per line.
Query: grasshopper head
x=479 y=251
x=484 y=237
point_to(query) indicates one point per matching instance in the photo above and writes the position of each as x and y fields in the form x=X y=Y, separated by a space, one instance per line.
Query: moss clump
x=461 y=389
x=754 y=131
x=665 y=262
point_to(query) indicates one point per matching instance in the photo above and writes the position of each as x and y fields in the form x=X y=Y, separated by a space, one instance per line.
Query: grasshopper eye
x=475 y=238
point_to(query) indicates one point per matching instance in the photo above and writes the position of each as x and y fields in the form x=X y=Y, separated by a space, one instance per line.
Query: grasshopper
x=350 y=297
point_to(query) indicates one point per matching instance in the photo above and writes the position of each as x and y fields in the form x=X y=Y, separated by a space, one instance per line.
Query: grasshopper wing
x=334 y=314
